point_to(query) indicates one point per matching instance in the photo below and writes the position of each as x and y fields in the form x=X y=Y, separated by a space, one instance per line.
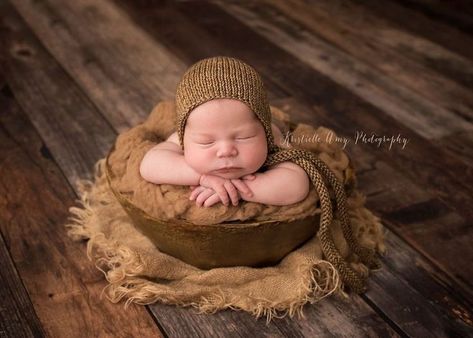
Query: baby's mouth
x=226 y=170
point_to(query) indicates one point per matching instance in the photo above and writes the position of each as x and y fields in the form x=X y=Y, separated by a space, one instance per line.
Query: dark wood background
x=74 y=74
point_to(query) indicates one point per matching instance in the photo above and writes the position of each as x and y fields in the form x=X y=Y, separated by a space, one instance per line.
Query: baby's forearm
x=279 y=186
x=166 y=166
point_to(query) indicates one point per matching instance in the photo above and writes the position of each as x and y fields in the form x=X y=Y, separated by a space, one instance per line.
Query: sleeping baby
x=223 y=135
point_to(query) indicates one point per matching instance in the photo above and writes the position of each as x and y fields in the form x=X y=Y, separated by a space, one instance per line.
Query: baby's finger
x=196 y=192
x=249 y=177
x=222 y=193
x=232 y=192
x=211 y=200
x=242 y=187
x=203 y=197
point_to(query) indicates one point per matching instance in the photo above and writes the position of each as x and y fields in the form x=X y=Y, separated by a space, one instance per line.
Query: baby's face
x=224 y=133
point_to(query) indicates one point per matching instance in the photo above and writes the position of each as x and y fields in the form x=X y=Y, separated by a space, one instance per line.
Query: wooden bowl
x=221 y=245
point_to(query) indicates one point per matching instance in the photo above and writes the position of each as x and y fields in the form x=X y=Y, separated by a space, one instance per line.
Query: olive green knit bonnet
x=224 y=77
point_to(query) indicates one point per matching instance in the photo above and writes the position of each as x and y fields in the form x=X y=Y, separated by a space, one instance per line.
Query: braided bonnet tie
x=317 y=169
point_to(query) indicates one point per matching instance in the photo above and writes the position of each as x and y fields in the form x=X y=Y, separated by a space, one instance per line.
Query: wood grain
x=385 y=50
x=21 y=57
x=114 y=62
x=409 y=107
x=17 y=315
x=63 y=285
x=421 y=50
x=419 y=24
x=459 y=144
x=457 y=14
x=330 y=317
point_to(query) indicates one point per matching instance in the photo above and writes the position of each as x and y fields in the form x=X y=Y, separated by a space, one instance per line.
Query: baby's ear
x=278 y=137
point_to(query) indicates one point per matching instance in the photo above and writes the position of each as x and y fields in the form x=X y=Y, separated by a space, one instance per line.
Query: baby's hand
x=225 y=188
x=204 y=196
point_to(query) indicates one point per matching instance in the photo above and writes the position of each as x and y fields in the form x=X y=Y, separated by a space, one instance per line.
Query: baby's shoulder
x=171 y=143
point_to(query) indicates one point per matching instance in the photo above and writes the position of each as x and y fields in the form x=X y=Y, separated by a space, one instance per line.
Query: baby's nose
x=227 y=149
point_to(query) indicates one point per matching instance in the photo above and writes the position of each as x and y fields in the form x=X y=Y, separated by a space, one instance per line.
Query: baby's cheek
x=197 y=160
x=257 y=156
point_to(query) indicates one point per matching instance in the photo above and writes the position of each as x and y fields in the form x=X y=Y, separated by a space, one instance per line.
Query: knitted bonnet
x=225 y=77
x=218 y=78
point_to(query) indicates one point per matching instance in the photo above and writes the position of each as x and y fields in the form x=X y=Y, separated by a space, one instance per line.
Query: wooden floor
x=74 y=74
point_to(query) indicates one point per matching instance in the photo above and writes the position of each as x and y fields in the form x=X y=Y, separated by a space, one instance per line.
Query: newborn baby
x=224 y=145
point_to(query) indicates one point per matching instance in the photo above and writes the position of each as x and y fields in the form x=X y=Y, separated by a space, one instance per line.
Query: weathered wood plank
x=459 y=144
x=419 y=24
x=85 y=35
x=408 y=107
x=372 y=47
x=439 y=233
x=322 y=321
x=453 y=13
x=230 y=322
x=412 y=284
x=17 y=315
x=21 y=54
x=64 y=287
x=331 y=317
x=401 y=42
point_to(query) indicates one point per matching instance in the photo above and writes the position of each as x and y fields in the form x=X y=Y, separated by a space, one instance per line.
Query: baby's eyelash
x=238 y=138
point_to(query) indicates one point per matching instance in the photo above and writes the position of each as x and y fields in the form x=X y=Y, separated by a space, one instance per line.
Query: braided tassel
x=367 y=256
x=314 y=168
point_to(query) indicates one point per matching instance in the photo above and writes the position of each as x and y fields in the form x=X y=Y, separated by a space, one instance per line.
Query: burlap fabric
x=138 y=272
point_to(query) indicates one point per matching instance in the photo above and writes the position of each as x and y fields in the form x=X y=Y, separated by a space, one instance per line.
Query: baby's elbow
x=301 y=189
x=144 y=169
x=148 y=170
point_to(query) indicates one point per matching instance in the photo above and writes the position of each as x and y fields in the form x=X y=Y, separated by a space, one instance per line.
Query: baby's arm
x=285 y=184
x=165 y=164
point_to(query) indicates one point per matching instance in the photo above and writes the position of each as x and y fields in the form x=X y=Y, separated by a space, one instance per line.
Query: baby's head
x=223 y=117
